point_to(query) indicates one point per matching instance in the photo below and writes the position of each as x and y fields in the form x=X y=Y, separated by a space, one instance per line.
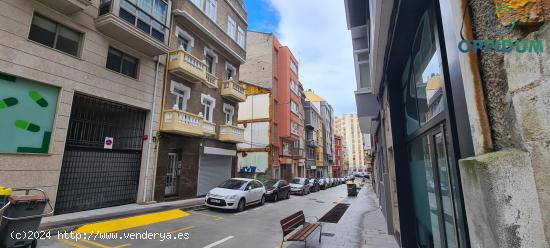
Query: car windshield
x=271 y=183
x=297 y=181
x=233 y=184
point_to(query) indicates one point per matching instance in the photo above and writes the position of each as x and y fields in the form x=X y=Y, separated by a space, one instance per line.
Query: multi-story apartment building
x=347 y=126
x=255 y=159
x=327 y=132
x=273 y=66
x=312 y=128
x=337 y=168
x=201 y=96
x=78 y=82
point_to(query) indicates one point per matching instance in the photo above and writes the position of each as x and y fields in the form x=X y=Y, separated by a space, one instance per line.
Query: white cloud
x=316 y=32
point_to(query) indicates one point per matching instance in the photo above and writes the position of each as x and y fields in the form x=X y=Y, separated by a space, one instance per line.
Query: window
x=231 y=28
x=229 y=112
x=210 y=9
x=208 y=107
x=54 y=35
x=122 y=63
x=294 y=128
x=275 y=88
x=275 y=112
x=209 y=64
x=275 y=61
x=183 y=43
x=294 y=87
x=240 y=37
x=293 y=107
x=293 y=67
x=362 y=71
x=181 y=94
x=198 y=3
x=275 y=134
x=148 y=15
x=229 y=71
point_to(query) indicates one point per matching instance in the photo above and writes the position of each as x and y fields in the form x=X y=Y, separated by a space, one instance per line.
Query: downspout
x=151 y=124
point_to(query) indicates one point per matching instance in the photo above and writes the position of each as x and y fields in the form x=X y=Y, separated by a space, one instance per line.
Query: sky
x=317 y=35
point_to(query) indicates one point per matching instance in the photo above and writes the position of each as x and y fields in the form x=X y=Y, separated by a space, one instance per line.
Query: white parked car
x=236 y=193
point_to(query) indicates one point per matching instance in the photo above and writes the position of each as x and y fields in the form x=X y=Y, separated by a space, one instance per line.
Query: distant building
x=273 y=66
x=347 y=126
x=326 y=133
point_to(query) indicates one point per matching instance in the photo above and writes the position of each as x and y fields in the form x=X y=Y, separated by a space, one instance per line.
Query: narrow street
x=258 y=226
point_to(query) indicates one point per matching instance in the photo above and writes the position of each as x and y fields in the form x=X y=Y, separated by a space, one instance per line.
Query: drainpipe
x=150 y=138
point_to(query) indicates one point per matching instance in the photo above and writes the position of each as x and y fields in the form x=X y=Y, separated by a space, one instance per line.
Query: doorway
x=171 y=175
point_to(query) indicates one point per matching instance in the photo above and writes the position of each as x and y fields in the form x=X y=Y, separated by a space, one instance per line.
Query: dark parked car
x=314 y=185
x=276 y=189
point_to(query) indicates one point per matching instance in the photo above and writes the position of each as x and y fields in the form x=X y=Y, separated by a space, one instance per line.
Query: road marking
x=131 y=222
x=123 y=245
x=218 y=242
x=94 y=243
x=70 y=243
x=215 y=217
x=181 y=229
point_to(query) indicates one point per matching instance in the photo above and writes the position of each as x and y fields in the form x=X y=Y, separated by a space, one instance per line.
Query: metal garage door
x=213 y=170
x=93 y=177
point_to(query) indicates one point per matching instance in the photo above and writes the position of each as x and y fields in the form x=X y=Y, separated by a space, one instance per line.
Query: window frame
x=233 y=69
x=241 y=37
x=176 y=85
x=212 y=107
x=56 y=35
x=231 y=23
x=357 y=65
x=207 y=9
x=184 y=34
x=230 y=113
x=293 y=107
x=293 y=67
x=123 y=54
x=211 y=53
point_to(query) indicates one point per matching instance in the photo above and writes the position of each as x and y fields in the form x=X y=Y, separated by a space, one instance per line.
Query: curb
x=70 y=225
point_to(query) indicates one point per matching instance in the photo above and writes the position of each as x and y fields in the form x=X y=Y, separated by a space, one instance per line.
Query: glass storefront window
x=445 y=191
x=422 y=81
x=424 y=194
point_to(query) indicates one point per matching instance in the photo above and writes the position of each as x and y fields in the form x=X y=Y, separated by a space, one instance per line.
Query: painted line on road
x=71 y=244
x=181 y=229
x=131 y=222
x=219 y=242
x=215 y=217
x=123 y=245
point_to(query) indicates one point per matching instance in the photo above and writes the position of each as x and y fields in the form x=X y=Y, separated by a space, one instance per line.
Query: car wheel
x=241 y=205
x=262 y=201
x=287 y=196
x=276 y=197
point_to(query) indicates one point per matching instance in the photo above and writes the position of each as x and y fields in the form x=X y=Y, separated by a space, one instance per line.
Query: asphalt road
x=256 y=227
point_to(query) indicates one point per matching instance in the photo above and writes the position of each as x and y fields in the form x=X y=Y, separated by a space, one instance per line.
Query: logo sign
x=108 y=144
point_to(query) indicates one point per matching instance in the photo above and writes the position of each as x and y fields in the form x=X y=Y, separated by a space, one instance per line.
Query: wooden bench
x=300 y=229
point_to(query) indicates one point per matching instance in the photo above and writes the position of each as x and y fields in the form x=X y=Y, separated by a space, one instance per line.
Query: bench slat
x=303 y=233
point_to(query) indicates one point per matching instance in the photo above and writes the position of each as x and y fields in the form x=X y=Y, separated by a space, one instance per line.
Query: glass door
x=171 y=175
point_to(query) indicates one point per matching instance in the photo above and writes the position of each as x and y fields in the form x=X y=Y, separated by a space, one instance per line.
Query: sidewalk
x=69 y=221
x=362 y=226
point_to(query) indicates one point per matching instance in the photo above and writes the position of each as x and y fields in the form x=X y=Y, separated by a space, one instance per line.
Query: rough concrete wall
x=501 y=200
x=258 y=68
x=499 y=107
x=528 y=76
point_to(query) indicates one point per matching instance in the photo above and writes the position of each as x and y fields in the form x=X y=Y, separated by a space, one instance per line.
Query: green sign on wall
x=27 y=111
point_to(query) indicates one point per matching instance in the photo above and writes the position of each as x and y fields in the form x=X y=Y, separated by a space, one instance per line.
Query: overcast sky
x=316 y=32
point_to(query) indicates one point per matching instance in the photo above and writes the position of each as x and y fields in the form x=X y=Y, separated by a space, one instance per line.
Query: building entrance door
x=171 y=175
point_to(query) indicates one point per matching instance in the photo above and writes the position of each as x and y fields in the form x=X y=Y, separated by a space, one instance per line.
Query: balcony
x=187 y=66
x=209 y=128
x=233 y=91
x=231 y=134
x=119 y=20
x=183 y=123
x=211 y=81
x=312 y=142
x=67 y=7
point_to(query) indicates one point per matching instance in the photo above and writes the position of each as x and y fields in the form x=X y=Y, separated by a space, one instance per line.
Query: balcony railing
x=231 y=134
x=67 y=7
x=187 y=66
x=142 y=30
x=181 y=122
x=211 y=80
x=233 y=91
x=209 y=128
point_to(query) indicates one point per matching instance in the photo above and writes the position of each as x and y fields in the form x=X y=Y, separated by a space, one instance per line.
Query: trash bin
x=22 y=215
x=352 y=189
